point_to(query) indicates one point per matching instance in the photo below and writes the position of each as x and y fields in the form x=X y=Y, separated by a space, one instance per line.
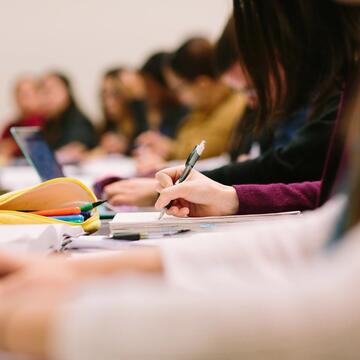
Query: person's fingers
x=172 y=193
x=164 y=179
x=174 y=172
x=112 y=189
x=123 y=186
x=184 y=212
x=178 y=212
x=121 y=199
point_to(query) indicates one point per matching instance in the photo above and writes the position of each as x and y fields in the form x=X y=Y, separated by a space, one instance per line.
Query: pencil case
x=53 y=194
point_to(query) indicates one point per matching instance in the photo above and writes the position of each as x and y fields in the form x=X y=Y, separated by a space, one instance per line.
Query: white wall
x=84 y=37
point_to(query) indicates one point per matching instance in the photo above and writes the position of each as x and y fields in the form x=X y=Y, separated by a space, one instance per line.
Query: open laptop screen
x=37 y=152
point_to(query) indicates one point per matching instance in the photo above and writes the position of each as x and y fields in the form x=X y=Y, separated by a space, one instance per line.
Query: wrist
x=229 y=201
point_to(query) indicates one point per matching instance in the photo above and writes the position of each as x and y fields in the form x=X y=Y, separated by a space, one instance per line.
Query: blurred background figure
x=216 y=109
x=165 y=112
x=153 y=104
x=67 y=129
x=27 y=101
x=119 y=125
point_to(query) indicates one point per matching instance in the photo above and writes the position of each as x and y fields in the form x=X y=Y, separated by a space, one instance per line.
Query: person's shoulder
x=234 y=100
x=234 y=104
x=78 y=116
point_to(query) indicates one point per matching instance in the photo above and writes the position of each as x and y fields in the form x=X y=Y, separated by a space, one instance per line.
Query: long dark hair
x=154 y=67
x=351 y=115
x=226 y=52
x=114 y=74
x=194 y=58
x=295 y=52
x=68 y=85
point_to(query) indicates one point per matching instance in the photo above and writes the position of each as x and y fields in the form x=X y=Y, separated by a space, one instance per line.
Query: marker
x=78 y=219
x=189 y=165
x=146 y=236
x=69 y=211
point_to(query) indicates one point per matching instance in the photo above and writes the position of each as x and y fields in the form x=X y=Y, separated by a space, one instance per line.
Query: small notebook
x=149 y=221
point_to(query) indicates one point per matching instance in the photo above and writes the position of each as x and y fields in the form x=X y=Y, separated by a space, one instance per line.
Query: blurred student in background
x=215 y=108
x=138 y=101
x=119 y=125
x=28 y=108
x=154 y=106
x=67 y=130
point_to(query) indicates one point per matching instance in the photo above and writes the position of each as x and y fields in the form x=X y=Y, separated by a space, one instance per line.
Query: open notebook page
x=150 y=220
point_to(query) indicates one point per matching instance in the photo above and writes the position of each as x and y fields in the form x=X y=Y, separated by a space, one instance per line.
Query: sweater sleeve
x=269 y=198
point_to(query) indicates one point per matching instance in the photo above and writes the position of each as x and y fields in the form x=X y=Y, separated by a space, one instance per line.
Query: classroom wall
x=84 y=37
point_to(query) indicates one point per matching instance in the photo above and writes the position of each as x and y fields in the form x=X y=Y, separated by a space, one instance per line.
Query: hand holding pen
x=197 y=196
x=189 y=165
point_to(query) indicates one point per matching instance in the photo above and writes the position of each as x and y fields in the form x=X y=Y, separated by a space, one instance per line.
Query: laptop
x=37 y=152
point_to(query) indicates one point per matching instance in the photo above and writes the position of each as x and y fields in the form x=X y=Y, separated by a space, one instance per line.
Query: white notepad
x=149 y=221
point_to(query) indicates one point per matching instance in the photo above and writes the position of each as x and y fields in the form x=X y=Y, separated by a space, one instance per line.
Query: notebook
x=149 y=221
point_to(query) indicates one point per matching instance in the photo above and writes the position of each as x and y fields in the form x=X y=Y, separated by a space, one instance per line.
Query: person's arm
x=269 y=198
x=312 y=316
x=201 y=196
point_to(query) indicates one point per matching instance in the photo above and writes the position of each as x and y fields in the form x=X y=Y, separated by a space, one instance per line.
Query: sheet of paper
x=35 y=238
x=150 y=221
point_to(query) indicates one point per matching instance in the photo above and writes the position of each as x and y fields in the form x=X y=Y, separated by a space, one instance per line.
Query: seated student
x=215 y=108
x=152 y=103
x=28 y=110
x=67 y=129
x=119 y=126
x=247 y=142
x=297 y=168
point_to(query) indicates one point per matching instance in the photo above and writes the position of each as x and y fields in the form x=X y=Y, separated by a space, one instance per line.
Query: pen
x=146 y=236
x=189 y=165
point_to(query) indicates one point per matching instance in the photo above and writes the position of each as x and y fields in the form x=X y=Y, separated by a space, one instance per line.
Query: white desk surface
x=17 y=177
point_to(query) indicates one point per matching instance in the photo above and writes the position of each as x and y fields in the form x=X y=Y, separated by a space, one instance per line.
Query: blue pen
x=69 y=218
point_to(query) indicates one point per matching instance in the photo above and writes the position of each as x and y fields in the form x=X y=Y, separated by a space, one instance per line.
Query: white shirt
x=270 y=293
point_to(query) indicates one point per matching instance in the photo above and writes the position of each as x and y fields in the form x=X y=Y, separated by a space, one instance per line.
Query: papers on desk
x=149 y=221
x=35 y=238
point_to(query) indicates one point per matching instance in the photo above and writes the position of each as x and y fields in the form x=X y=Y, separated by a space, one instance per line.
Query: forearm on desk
x=137 y=260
